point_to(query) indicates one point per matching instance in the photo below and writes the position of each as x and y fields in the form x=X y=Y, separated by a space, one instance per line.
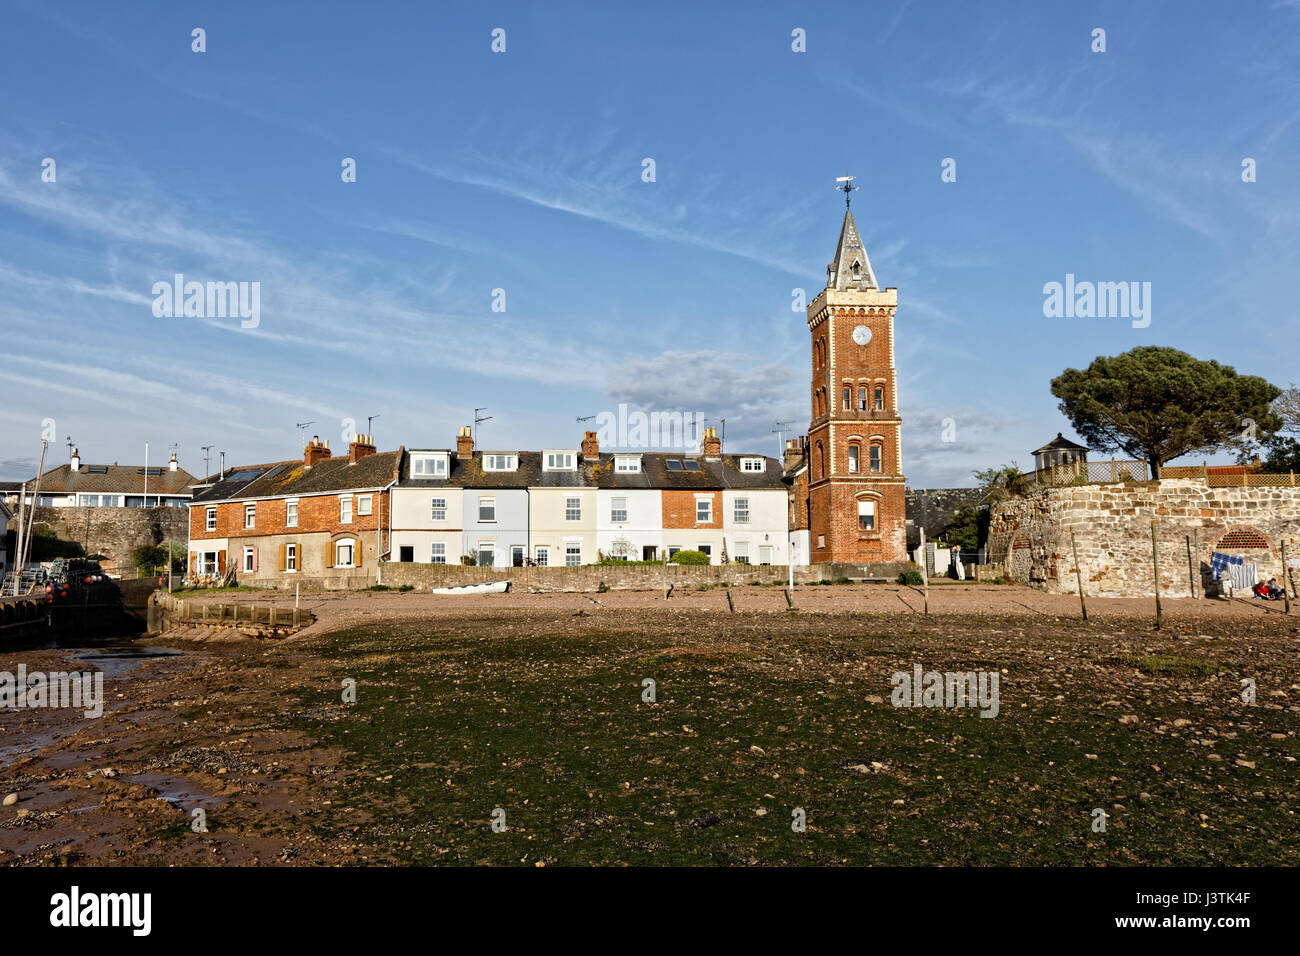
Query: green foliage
x=911 y=576
x=1158 y=404
x=1001 y=482
x=46 y=546
x=689 y=557
x=147 y=557
x=968 y=527
x=468 y=560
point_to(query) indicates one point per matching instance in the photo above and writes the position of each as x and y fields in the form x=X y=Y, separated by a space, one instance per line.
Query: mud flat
x=536 y=704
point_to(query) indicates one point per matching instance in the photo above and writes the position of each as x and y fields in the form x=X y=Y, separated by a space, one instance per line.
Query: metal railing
x=1117 y=470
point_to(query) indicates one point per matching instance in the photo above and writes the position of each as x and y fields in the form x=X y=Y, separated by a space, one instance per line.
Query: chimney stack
x=173 y=464
x=315 y=451
x=360 y=447
x=711 y=444
x=590 y=446
x=76 y=459
x=465 y=443
x=793 y=453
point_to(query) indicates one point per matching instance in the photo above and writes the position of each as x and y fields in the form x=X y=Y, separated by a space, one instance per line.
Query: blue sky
x=523 y=171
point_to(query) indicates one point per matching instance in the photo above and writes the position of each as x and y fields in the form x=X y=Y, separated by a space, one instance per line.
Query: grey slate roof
x=114 y=479
x=839 y=274
x=1059 y=444
x=290 y=478
x=287 y=478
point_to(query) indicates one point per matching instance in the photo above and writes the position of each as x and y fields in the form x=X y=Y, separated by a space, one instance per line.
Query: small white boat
x=487 y=587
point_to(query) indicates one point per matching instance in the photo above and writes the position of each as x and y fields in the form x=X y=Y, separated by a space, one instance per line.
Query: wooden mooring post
x=1078 y=576
x=1155 y=569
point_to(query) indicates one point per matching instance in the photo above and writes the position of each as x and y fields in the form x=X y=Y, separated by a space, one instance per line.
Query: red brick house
x=322 y=515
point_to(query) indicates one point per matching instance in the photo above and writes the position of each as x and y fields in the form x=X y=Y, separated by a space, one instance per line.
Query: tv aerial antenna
x=477 y=419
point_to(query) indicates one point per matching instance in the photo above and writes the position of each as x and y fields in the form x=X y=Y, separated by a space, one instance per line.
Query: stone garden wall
x=1111 y=523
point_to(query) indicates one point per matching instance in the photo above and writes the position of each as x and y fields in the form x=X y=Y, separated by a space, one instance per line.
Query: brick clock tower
x=856 y=503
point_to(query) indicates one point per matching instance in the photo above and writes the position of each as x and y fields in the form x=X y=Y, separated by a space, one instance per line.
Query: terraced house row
x=338 y=517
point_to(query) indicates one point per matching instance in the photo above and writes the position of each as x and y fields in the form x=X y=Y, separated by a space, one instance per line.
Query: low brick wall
x=1029 y=535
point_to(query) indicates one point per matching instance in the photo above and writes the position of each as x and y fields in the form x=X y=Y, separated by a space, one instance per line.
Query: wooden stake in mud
x=1078 y=576
x=1191 y=575
x=730 y=605
x=1155 y=569
x=925 y=573
x=1286 y=595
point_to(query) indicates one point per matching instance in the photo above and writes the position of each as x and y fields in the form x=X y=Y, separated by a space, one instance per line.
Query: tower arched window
x=848 y=398
x=821 y=460
x=862 y=399
x=877 y=459
x=880 y=399
x=855 y=451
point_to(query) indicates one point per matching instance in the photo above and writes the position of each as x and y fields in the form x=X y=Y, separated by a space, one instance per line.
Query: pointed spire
x=850 y=269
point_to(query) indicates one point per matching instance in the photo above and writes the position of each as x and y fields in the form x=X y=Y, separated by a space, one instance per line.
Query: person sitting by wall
x=1261 y=590
x=1274 y=590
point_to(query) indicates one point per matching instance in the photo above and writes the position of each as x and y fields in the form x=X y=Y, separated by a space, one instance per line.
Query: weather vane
x=846 y=186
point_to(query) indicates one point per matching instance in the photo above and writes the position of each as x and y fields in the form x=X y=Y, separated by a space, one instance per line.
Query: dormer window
x=500 y=462
x=428 y=466
x=751 y=464
x=627 y=463
x=560 y=460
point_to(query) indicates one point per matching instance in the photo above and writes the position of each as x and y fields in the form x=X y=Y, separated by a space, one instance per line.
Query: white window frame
x=742 y=552
x=291 y=558
x=627 y=463
x=751 y=464
x=617 y=515
x=572 y=512
x=542 y=555
x=351 y=545
x=437 y=509
x=345 y=509
x=572 y=549
x=500 y=462
x=707 y=504
x=560 y=461
x=291 y=512
x=741 y=514
x=866 y=509
x=250 y=515
x=210 y=520
x=770 y=551
x=491 y=548
x=249 y=559
x=437 y=552
x=365 y=504
x=428 y=466
x=488 y=502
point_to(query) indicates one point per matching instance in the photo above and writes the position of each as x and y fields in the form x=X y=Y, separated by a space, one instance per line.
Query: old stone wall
x=114 y=532
x=1030 y=535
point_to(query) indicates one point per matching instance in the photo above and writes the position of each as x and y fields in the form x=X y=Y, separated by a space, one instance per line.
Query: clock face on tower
x=862 y=335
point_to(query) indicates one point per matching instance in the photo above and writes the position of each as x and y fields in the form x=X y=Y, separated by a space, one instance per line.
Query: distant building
x=81 y=485
x=1059 y=451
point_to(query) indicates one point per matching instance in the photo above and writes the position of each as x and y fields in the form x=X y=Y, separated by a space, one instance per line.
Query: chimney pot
x=590 y=446
x=360 y=447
